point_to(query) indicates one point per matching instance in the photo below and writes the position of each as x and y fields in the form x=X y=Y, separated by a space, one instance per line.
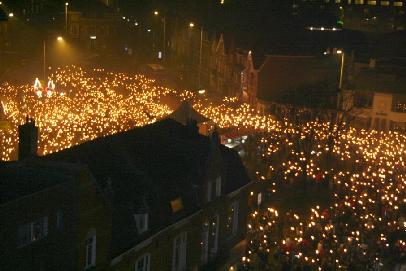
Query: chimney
x=372 y=63
x=28 y=139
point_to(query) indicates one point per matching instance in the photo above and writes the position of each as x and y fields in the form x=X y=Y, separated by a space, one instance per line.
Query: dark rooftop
x=149 y=167
x=22 y=178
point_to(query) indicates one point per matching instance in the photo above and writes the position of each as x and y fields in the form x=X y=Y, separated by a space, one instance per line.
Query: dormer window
x=218 y=186
x=141 y=220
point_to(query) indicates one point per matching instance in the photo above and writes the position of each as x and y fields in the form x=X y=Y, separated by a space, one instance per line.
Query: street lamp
x=156 y=13
x=341 y=52
x=59 y=39
x=66 y=17
x=192 y=25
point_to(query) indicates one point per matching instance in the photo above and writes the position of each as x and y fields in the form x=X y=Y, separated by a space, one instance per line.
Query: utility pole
x=44 y=61
x=200 y=57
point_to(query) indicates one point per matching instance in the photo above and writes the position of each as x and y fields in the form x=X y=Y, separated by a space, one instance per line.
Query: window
x=384 y=3
x=90 y=249
x=179 y=253
x=141 y=220
x=234 y=210
x=143 y=263
x=33 y=231
x=214 y=231
x=218 y=186
x=59 y=220
x=209 y=188
x=259 y=199
x=177 y=205
x=359 y=2
x=398 y=4
x=372 y=2
x=205 y=242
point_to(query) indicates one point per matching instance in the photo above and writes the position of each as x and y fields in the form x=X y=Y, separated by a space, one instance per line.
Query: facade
x=379 y=96
x=274 y=78
x=160 y=197
x=3 y=37
x=95 y=26
x=364 y=15
x=221 y=63
x=49 y=211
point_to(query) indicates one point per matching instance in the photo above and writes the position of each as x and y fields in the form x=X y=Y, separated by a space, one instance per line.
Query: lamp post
x=59 y=39
x=66 y=17
x=341 y=52
x=156 y=13
x=192 y=25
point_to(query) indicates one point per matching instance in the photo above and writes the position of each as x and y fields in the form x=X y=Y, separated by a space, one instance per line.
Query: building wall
x=94 y=213
x=383 y=114
x=56 y=251
x=160 y=246
x=63 y=248
x=3 y=42
x=93 y=33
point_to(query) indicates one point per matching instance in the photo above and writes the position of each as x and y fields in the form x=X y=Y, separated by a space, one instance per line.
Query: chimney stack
x=372 y=63
x=28 y=139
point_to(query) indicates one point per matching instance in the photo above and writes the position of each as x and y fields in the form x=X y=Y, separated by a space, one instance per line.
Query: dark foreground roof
x=147 y=168
x=22 y=178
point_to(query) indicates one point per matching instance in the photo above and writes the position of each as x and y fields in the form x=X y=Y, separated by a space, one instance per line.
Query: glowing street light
x=59 y=39
x=191 y=25
x=66 y=17
x=11 y=15
x=156 y=13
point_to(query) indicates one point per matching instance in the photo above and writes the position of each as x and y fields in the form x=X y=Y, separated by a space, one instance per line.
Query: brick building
x=3 y=37
x=159 y=197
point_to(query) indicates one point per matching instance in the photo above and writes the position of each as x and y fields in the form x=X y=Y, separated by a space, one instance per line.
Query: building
x=159 y=197
x=3 y=37
x=272 y=79
x=364 y=15
x=379 y=95
x=50 y=210
x=215 y=67
x=94 y=25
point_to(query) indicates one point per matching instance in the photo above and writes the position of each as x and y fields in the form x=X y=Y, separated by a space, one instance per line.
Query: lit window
x=33 y=231
x=398 y=4
x=359 y=2
x=338 y=1
x=384 y=3
x=143 y=263
x=213 y=235
x=90 y=249
x=349 y=2
x=372 y=2
x=141 y=220
x=259 y=199
x=179 y=252
x=218 y=186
